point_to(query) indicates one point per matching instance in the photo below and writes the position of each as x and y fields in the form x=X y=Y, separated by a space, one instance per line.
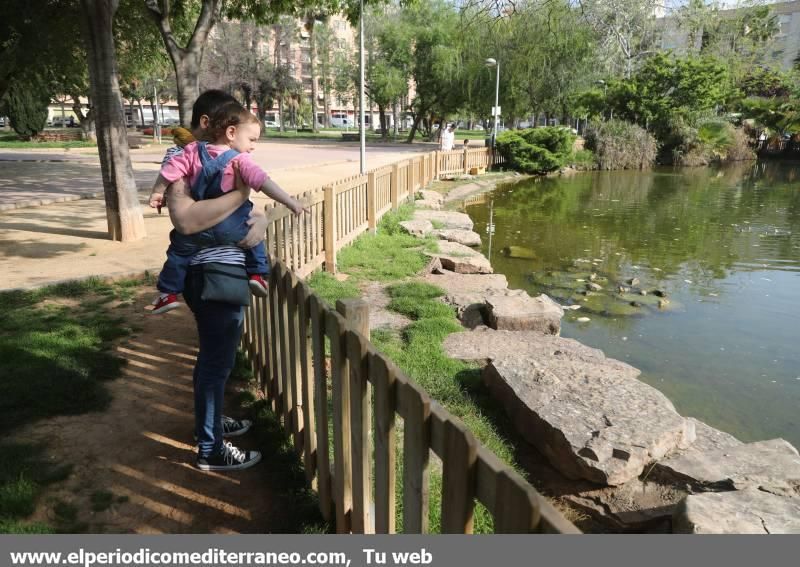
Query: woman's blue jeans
x=219 y=327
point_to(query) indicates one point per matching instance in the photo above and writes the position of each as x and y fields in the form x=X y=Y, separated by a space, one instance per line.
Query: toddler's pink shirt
x=188 y=165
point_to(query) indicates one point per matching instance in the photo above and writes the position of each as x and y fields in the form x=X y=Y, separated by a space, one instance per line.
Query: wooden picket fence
x=360 y=392
x=345 y=209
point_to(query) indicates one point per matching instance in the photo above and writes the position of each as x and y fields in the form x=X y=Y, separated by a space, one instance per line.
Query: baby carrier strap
x=209 y=182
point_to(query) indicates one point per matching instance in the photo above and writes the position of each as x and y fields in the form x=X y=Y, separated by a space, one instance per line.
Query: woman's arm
x=190 y=216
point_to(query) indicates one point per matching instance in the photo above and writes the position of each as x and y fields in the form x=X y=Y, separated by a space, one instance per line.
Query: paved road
x=43 y=177
x=68 y=240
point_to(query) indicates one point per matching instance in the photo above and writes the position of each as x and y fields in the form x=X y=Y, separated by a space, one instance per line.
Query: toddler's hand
x=297 y=208
x=157 y=201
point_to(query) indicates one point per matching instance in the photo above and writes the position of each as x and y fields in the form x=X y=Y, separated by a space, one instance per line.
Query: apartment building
x=785 y=46
x=287 y=46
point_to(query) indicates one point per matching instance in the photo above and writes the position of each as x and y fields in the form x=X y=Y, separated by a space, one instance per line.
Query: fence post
x=436 y=164
x=372 y=210
x=356 y=313
x=394 y=189
x=329 y=228
x=466 y=163
x=409 y=189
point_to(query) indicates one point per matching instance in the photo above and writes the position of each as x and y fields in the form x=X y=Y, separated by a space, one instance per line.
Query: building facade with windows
x=784 y=47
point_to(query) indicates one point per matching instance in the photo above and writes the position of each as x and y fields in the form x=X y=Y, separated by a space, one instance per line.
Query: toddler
x=182 y=138
x=208 y=166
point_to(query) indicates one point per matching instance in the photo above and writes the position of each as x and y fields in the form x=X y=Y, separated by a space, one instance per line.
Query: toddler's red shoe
x=258 y=285
x=164 y=303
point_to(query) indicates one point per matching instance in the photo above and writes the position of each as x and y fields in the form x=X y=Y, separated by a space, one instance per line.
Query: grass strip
x=388 y=255
x=55 y=358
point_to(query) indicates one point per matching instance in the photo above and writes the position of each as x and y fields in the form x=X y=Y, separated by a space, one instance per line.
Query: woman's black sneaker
x=230 y=459
x=233 y=427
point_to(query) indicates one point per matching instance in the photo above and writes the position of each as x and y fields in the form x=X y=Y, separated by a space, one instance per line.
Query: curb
x=110 y=277
x=47 y=201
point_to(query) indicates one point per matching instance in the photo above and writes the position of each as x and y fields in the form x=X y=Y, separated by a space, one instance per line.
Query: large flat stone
x=417 y=227
x=484 y=345
x=772 y=465
x=465 y=237
x=478 y=285
x=750 y=511
x=592 y=419
x=426 y=204
x=447 y=219
x=521 y=312
x=461 y=259
x=468 y=292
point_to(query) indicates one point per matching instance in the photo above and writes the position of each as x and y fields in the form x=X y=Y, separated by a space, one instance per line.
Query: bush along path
x=97 y=423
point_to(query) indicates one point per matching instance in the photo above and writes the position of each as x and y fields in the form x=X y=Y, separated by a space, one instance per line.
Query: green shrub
x=708 y=139
x=536 y=150
x=621 y=145
x=583 y=160
x=26 y=107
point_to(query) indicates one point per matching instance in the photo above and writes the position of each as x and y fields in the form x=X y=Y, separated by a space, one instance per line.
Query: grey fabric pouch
x=227 y=283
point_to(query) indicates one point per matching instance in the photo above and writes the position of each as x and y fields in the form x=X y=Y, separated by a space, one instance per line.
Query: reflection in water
x=722 y=244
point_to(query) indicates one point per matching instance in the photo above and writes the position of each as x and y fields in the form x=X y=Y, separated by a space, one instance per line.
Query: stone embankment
x=622 y=452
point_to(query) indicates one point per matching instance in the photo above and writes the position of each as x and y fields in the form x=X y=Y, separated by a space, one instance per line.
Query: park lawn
x=10 y=141
x=331 y=134
x=55 y=357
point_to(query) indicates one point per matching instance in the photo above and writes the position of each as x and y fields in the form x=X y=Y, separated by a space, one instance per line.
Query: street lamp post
x=602 y=83
x=490 y=62
x=363 y=136
x=156 y=123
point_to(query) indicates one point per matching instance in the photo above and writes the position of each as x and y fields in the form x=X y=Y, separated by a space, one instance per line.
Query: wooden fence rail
x=343 y=210
x=285 y=337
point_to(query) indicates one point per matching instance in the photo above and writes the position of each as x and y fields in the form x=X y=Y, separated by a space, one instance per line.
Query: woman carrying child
x=213 y=169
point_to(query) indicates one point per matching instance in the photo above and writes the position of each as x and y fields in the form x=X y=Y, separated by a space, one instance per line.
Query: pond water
x=723 y=244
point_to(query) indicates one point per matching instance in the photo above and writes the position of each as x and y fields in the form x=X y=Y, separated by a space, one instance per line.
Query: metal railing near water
x=360 y=393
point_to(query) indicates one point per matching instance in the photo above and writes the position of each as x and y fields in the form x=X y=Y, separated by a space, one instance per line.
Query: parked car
x=270 y=124
x=64 y=121
x=2 y=121
x=340 y=120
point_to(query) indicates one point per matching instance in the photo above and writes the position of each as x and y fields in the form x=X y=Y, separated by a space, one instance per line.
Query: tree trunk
x=85 y=120
x=187 y=75
x=413 y=131
x=280 y=112
x=394 y=118
x=414 y=127
x=125 y=221
x=141 y=113
x=384 y=126
x=185 y=60
x=313 y=56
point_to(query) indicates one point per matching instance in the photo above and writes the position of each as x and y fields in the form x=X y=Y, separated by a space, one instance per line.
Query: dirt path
x=141 y=449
